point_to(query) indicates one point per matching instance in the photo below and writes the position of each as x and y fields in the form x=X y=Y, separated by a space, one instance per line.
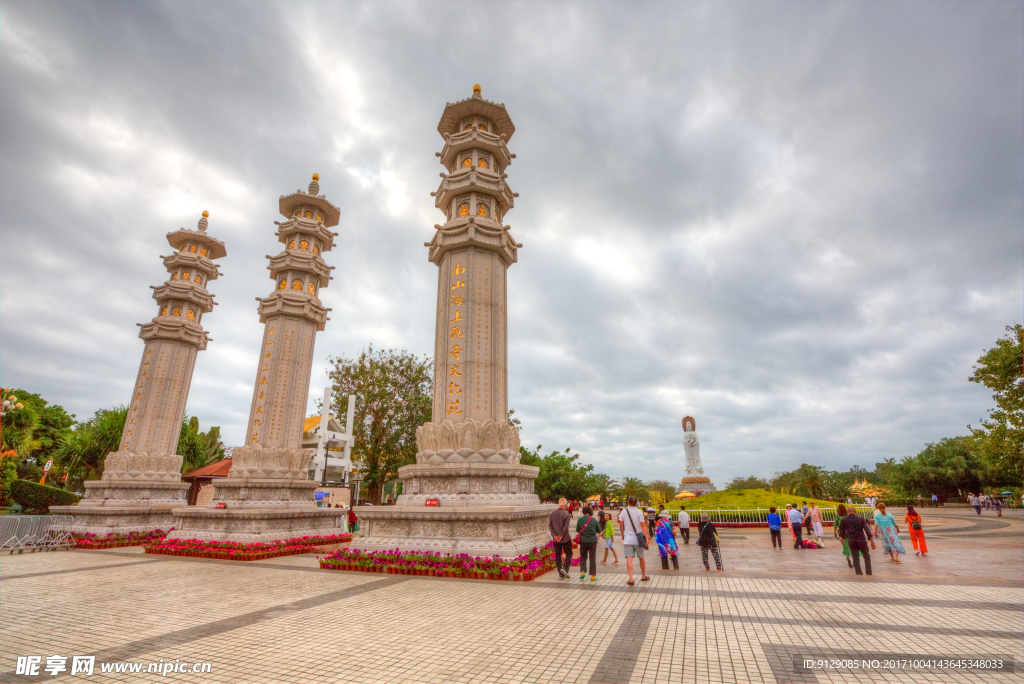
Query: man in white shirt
x=684 y=524
x=796 y=517
x=631 y=529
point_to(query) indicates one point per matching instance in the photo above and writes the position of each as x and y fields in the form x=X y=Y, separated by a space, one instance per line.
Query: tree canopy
x=1000 y=439
x=394 y=396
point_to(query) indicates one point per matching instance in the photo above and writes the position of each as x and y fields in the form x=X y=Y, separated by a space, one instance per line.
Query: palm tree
x=630 y=486
x=601 y=485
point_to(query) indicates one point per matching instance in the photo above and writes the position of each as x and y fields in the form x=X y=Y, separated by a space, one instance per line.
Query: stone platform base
x=103 y=520
x=122 y=506
x=255 y=524
x=506 y=531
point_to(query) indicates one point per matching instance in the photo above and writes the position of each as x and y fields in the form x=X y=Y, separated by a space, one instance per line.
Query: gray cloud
x=800 y=224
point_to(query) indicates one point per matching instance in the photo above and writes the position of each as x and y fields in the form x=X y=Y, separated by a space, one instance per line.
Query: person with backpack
x=775 y=527
x=634 y=543
x=652 y=521
x=587 y=529
x=666 y=543
x=913 y=519
x=708 y=539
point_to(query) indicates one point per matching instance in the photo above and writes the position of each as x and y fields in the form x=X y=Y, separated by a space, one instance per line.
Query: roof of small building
x=218 y=469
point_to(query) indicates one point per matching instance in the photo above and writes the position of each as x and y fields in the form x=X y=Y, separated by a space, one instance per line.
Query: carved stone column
x=468 y=455
x=266 y=495
x=141 y=481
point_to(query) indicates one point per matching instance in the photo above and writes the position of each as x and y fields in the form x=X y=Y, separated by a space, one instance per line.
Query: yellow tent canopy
x=685 y=495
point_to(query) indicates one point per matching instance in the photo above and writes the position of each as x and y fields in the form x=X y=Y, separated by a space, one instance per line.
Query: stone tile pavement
x=285 y=620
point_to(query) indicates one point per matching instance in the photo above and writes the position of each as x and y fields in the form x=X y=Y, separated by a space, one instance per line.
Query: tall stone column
x=468 y=491
x=267 y=495
x=473 y=251
x=292 y=315
x=141 y=481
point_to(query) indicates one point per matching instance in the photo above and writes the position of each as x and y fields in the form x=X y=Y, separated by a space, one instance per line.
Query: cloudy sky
x=800 y=223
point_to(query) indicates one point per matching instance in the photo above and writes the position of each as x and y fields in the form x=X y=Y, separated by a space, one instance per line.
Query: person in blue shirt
x=775 y=527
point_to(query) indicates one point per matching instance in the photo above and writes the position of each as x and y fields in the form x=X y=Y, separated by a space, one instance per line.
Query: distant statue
x=692 y=446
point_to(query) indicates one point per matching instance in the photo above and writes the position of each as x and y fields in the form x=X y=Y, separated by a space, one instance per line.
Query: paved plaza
x=285 y=620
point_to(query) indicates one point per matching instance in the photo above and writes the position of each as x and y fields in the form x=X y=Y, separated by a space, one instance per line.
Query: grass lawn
x=746 y=498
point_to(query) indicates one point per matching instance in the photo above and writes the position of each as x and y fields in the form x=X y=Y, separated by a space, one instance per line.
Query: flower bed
x=116 y=540
x=431 y=564
x=226 y=550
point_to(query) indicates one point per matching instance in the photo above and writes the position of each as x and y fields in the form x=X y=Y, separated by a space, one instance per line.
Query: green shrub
x=37 y=498
x=8 y=474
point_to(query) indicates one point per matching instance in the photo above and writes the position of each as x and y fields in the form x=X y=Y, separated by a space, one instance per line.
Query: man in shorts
x=631 y=527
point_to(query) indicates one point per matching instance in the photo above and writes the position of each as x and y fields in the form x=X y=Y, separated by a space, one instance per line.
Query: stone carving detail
x=126 y=465
x=269 y=463
x=521 y=528
x=467 y=442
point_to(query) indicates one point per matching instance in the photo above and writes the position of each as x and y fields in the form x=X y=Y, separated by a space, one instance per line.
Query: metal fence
x=759 y=516
x=35 y=532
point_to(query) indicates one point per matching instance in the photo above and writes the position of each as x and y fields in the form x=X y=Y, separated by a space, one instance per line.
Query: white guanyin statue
x=692 y=446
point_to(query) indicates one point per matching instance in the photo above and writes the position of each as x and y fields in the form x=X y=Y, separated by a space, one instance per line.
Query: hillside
x=746 y=498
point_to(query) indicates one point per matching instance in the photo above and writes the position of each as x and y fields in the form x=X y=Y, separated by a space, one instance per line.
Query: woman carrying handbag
x=587 y=529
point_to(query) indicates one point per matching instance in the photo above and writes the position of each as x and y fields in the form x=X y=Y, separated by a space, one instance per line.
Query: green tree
x=82 y=451
x=196 y=448
x=630 y=486
x=666 y=489
x=749 y=482
x=948 y=468
x=8 y=474
x=601 y=485
x=562 y=475
x=394 y=396
x=34 y=432
x=1000 y=439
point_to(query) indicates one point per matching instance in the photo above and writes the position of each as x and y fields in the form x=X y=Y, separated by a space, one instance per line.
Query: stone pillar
x=467 y=457
x=266 y=495
x=292 y=315
x=141 y=481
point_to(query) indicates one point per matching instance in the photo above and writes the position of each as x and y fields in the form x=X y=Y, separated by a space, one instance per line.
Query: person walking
x=853 y=529
x=997 y=506
x=795 y=518
x=775 y=527
x=975 y=502
x=913 y=519
x=558 y=526
x=666 y=542
x=634 y=543
x=684 y=525
x=840 y=514
x=707 y=537
x=652 y=521
x=817 y=524
x=608 y=532
x=935 y=501
x=888 y=531
x=587 y=529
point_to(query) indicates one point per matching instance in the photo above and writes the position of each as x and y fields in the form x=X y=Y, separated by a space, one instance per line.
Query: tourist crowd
x=637 y=529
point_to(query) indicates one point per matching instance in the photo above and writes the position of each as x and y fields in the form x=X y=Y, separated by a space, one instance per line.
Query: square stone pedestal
x=506 y=531
x=258 y=510
x=122 y=506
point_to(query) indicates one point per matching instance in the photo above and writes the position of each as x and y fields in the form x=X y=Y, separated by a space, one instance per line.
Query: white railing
x=35 y=532
x=758 y=516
